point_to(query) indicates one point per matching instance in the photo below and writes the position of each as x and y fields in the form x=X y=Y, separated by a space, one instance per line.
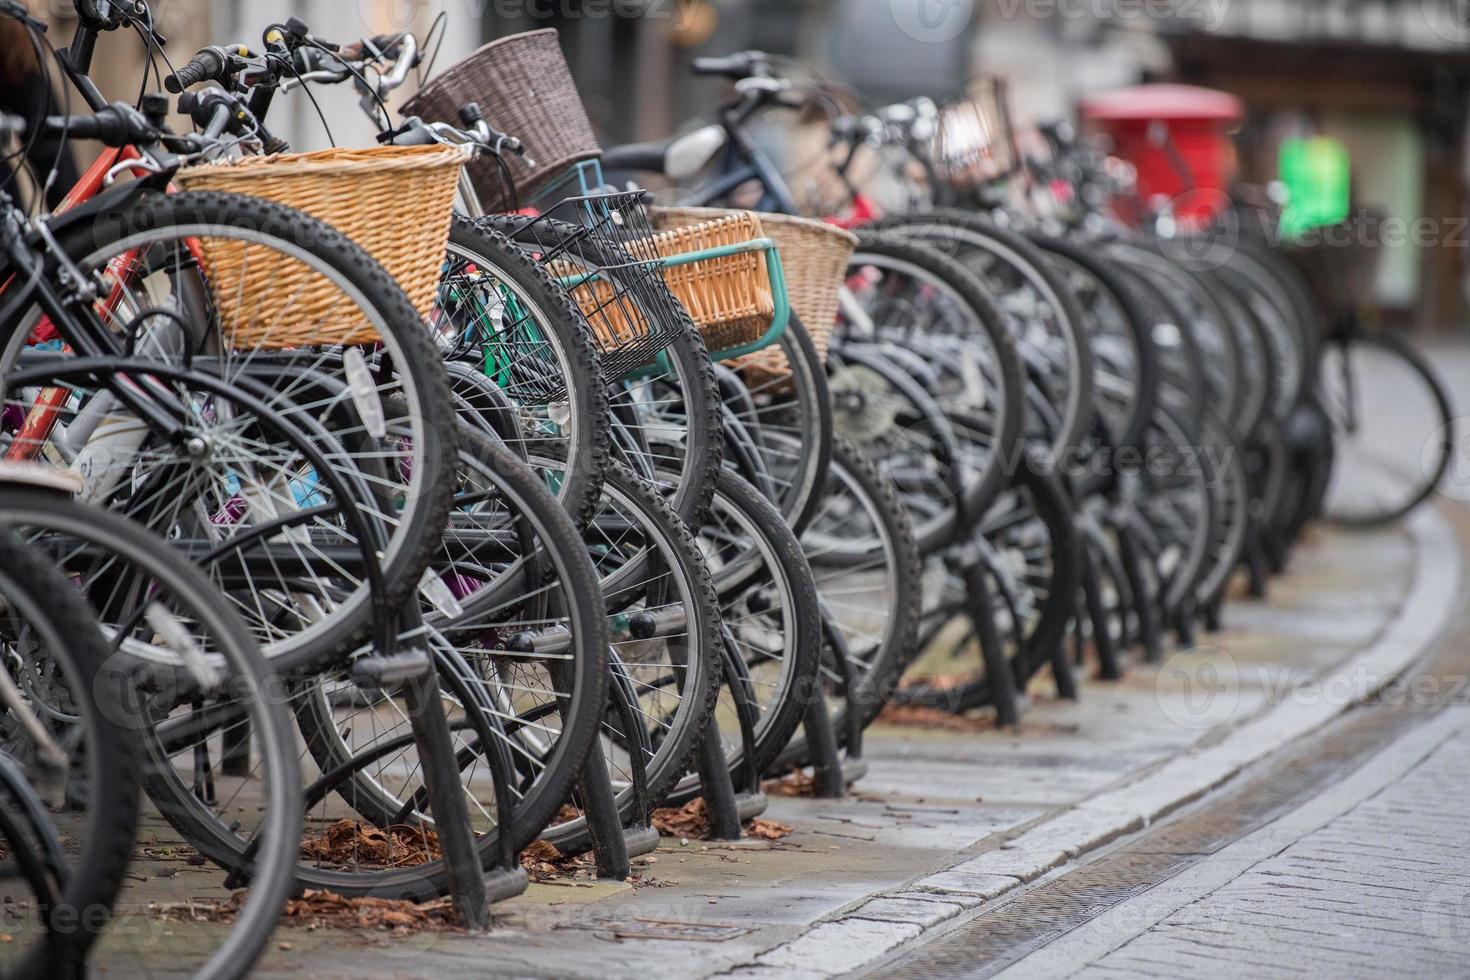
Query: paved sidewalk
x=1381 y=886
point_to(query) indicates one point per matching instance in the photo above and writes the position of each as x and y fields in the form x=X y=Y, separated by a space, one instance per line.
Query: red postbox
x=1178 y=138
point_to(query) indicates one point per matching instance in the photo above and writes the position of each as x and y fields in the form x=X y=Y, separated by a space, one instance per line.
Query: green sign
x=1317 y=173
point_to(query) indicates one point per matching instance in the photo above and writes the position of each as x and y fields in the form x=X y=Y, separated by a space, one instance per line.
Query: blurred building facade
x=1390 y=78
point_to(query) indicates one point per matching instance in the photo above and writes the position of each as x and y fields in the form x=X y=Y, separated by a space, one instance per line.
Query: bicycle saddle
x=678 y=157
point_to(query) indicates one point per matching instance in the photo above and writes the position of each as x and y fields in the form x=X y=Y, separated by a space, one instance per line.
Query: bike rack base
x=503 y=884
x=639 y=841
x=751 y=805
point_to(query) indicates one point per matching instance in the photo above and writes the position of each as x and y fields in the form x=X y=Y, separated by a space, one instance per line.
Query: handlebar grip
x=413 y=136
x=386 y=43
x=743 y=64
x=109 y=125
x=209 y=64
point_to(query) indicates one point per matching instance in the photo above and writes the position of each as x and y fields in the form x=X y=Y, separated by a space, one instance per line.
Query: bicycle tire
x=545 y=527
x=878 y=673
x=1442 y=438
x=965 y=233
x=1124 y=294
x=1010 y=400
x=173 y=578
x=420 y=371
x=688 y=361
x=772 y=561
x=560 y=327
x=35 y=592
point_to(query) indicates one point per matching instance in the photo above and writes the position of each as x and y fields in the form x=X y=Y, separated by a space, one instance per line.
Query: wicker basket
x=814 y=257
x=395 y=202
x=524 y=88
x=728 y=298
x=975 y=142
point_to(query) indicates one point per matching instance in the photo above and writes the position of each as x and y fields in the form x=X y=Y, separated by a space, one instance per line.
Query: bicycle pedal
x=375 y=671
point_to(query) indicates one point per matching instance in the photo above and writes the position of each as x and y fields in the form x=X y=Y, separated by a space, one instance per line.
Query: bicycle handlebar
x=118 y=124
x=211 y=64
x=742 y=64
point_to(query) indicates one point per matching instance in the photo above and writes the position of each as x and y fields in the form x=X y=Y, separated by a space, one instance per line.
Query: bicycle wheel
x=1125 y=359
x=892 y=418
x=157 y=304
x=1393 y=426
x=870 y=594
x=666 y=401
x=500 y=311
x=1224 y=459
x=770 y=620
x=1030 y=552
x=667 y=648
x=65 y=740
x=900 y=289
x=787 y=417
x=520 y=630
x=1041 y=311
x=1236 y=372
x=1174 y=501
x=220 y=762
x=255 y=490
x=1290 y=357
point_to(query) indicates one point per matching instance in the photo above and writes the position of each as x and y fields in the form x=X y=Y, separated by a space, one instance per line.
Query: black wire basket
x=601 y=248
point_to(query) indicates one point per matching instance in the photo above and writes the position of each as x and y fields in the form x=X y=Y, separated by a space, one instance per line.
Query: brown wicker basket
x=525 y=89
x=814 y=258
x=395 y=202
x=728 y=298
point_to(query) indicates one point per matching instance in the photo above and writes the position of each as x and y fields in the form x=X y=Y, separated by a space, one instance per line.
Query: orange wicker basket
x=395 y=202
x=814 y=257
x=728 y=297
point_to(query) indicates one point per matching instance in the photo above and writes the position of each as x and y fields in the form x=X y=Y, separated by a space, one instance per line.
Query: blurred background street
x=1389 y=79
